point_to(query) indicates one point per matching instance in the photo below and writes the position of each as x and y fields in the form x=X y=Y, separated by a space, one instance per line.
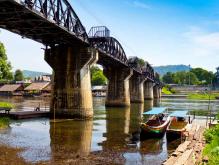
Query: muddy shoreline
x=11 y=156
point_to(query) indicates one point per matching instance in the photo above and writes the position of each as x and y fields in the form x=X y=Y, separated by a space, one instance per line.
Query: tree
x=5 y=66
x=191 y=78
x=18 y=75
x=141 y=62
x=168 y=78
x=97 y=76
x=204 y=76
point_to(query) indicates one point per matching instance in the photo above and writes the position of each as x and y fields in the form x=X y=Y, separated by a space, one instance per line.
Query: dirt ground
x=10 y=156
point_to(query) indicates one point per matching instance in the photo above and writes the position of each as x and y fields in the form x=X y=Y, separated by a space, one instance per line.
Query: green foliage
x=202 y=96
x=204 y=76
x=212 y=148
x=4 y=122
x=18 y=75
x=180 y=78
x=162 y=70
x=6 y=105
x=168 y=78
x=5 y=66
x=97 y=76
x=166 y=91
x=141 y=62
x=196 y=76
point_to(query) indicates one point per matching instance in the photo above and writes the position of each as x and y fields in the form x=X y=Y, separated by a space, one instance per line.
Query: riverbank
x=11 y=156
x=190 y=151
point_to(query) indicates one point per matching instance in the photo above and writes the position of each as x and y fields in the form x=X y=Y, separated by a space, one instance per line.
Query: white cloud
x=202 y=43
x=142 y=5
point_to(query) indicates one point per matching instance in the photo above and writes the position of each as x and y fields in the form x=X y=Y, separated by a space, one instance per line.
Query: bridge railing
x=99 y=31
x=59 y=12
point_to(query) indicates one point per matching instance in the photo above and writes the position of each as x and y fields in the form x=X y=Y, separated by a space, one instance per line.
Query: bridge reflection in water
x=70 y=138
x=112 y=129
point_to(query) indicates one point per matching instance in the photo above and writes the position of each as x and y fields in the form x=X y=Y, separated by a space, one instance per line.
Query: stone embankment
x=190 y=151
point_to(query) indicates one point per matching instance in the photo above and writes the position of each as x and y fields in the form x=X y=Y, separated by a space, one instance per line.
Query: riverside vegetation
x=211 y=150
x=4 y=121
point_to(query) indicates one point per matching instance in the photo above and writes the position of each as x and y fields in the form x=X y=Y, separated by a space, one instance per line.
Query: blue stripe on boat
x=155 y=111
x=179 y=113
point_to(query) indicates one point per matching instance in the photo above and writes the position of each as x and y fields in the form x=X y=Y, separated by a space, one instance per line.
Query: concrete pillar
x=71 y=96
x=160 y=92
x=156 y=92
x=148 y=90
x=118 y=94
x=137 y=88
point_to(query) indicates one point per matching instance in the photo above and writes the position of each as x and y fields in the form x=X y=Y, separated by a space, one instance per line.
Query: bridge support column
x=156 y=92
x=71 y=90
x=118 y=94
x=148 y=90
x=160 y=92
x=137 y=88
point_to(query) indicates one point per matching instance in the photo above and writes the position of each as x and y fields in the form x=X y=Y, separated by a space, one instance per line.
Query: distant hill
x=170 y=68
x=32 y=74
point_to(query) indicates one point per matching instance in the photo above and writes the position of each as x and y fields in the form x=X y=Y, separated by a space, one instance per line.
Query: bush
x=6 y=105
x=212 y=148
x=4 y=122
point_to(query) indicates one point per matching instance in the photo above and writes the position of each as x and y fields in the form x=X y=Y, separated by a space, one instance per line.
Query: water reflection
x=157 y=102
x=117 y=128
x=70 y=138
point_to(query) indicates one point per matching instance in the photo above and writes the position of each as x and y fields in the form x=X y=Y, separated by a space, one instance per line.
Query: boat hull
x=148 y=132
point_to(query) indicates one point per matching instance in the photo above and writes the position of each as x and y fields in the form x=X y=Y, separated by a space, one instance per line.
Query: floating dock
x=26 y=114
x=189 y=152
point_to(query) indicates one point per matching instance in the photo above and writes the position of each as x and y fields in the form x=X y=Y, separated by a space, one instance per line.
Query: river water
x=112 y=129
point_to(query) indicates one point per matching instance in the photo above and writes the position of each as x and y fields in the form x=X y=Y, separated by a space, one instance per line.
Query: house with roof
x=11 y=90
x=36 y=88
x=99 y=90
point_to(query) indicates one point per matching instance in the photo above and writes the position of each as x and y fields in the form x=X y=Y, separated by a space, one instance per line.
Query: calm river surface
x=114 y=129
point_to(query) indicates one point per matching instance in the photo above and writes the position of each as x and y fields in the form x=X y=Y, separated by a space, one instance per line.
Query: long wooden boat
x=177 y=126
x=156 y=125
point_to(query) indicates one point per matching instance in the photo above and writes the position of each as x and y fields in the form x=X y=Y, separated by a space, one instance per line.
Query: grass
x=198 y=96
x=4 y=122
x=212 y=148
x=6 y=105
x=166 y=91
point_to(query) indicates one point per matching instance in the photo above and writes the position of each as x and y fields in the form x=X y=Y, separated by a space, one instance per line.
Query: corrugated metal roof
x=48 y=87
x=36 y=86
x=99 y=87
x=10 y=87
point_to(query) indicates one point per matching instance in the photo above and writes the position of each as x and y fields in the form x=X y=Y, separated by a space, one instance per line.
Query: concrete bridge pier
x=118 y=94
x=148 y=90
x=156 y=91
x=160 y=92
x=137 y=88
x=71 y=90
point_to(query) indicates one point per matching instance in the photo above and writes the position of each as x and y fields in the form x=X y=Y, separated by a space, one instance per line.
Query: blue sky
x=160 y=31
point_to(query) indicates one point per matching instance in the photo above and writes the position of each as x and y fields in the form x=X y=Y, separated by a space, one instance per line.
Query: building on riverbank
x=36 y=89
x=99 y=91
x=11 y=90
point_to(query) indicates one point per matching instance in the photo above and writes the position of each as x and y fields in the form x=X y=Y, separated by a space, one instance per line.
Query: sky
x=162 y=32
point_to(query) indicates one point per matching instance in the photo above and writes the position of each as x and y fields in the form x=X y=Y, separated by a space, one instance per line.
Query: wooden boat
x=177 y=126
x=156 y=125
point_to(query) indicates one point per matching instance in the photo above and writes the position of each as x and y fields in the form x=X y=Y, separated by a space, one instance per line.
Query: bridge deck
x=31 y=24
